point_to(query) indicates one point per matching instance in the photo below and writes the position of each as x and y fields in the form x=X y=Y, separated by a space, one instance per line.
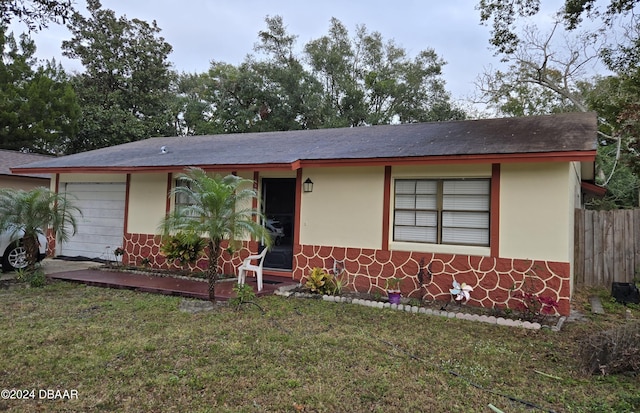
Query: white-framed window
x=181 y=199
x=442 y=211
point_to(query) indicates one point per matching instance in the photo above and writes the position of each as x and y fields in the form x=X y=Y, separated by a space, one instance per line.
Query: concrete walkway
x=52 y=265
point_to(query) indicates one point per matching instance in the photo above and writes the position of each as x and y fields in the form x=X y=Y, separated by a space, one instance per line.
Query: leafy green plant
x=21 y=274
x=35 y=278
x=319 y=281
x=213 y=210
x=339 y=285
x=145 y=262
x=184 y=247
x=393 y=284
x=244 y=294
x=414 y=302
x=30 y=212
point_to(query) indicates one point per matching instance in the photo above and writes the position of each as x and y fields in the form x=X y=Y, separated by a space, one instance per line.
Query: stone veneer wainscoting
x=140 y=246
x=493 y=279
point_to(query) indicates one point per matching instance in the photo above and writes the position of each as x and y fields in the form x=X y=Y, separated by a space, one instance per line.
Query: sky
x=226 y=30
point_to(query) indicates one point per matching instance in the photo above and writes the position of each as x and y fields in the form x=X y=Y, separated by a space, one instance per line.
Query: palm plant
x=29 y=213
x=219 y=208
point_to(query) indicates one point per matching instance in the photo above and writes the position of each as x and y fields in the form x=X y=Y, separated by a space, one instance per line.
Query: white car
x=276 y=230
x=13 y=253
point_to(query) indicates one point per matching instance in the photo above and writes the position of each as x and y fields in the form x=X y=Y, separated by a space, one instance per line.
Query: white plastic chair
x=257 y=269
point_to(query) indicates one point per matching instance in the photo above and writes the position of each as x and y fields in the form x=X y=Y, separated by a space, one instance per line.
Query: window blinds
x=442 y=211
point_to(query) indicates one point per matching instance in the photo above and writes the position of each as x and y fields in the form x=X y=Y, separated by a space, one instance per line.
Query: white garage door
x=101 y=227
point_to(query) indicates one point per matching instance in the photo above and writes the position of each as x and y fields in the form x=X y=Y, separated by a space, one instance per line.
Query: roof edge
x=569 y=156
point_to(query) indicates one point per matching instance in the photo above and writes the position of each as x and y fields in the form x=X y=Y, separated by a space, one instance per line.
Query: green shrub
x=183 y=247
x=35 y=278
x=320 y=281
x=244 y=294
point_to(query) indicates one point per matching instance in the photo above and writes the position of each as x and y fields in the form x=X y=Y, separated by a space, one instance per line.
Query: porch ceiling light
x=307 y=186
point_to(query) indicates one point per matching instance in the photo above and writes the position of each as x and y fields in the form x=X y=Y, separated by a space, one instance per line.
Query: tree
x=238 y=97
x=192 y=113
x=505 y=15
x=293 y=94
x=125 y=89
x=271 y=93
x=543 y=76
x=36 y=14
x=219 y=209
x=31 y=212
x=337 y=82
x=615 y=98
x=368 y=81
x=553 y=79
x=38 y=107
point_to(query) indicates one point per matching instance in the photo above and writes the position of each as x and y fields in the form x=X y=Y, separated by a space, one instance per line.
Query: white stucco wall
x=345 y=207
x=442 y=171
x=147 y=202
x=175 y=175
x=23 y=182
x=537 y=203
x=275 y=174
x=93 y=178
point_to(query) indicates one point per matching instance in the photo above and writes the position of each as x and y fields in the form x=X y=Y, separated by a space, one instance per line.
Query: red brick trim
x=297 y=208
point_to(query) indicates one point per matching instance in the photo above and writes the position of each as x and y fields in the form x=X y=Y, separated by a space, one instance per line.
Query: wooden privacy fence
x=607 y=247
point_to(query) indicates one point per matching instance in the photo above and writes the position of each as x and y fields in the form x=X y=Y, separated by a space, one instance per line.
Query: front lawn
x=127 y=351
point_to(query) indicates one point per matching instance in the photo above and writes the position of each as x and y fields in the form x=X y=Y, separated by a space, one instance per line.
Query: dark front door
x=278 y=203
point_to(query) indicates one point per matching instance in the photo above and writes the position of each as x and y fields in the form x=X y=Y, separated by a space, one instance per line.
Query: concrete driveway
x=52 y=266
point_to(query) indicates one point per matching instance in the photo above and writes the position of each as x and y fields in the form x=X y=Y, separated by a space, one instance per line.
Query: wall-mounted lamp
x=307 y=186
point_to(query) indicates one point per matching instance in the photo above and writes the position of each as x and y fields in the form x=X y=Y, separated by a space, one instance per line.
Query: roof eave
x=568 y=156
x=572 y=156
x=151 y=169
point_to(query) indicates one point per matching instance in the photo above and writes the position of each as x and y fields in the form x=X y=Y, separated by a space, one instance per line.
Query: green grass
x=127 y=351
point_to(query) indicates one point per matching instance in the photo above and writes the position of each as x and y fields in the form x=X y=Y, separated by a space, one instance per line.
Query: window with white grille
x=442 y=211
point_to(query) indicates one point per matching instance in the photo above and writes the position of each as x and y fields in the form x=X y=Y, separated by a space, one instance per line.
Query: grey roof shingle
x=526 y=135
x=10 y=159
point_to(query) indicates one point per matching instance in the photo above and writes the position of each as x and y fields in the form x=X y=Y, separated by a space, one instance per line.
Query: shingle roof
x=572 y=132
x=10 y=159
